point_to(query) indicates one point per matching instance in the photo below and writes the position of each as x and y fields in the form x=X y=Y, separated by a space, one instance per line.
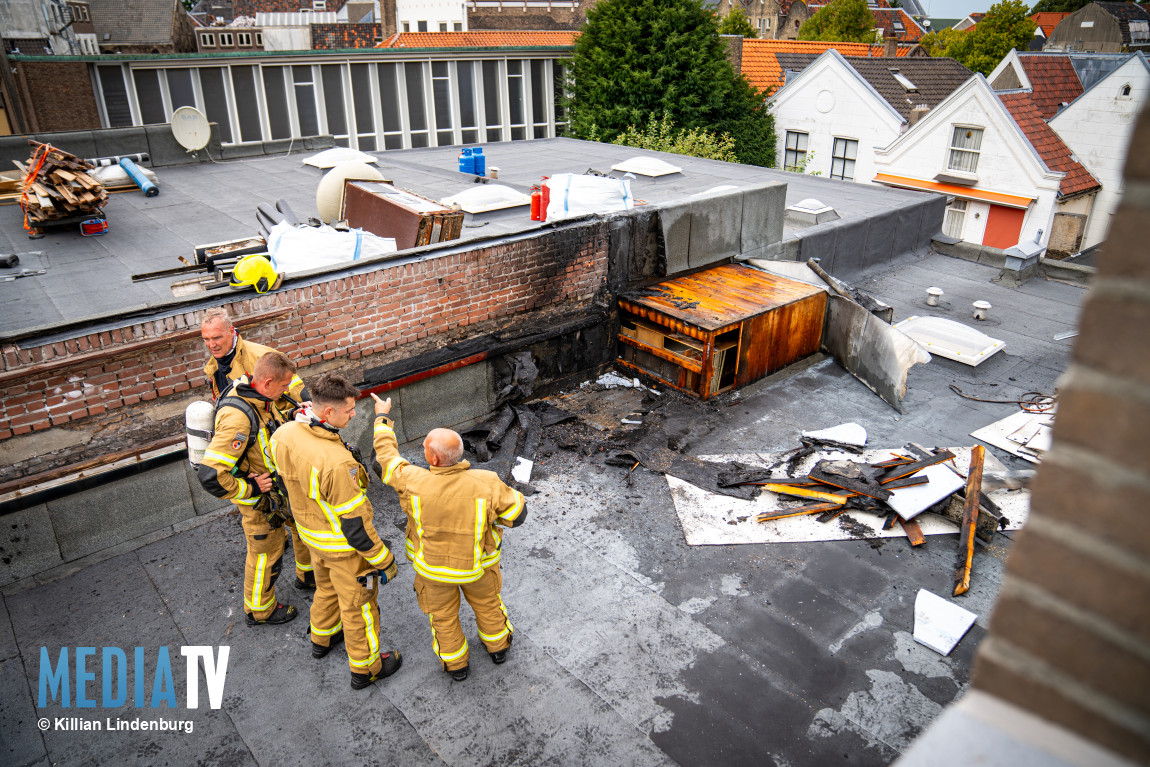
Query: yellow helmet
x=255 y=271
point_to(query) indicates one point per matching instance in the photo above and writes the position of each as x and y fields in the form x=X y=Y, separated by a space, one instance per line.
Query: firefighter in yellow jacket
x=231 y=358
x=326 y=485
x=238 y=465
x=453 y=538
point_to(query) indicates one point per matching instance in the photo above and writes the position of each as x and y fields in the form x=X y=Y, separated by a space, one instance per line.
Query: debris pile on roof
x=56 y=186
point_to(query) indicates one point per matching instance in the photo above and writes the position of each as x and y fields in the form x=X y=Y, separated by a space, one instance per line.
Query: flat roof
x=90 y=277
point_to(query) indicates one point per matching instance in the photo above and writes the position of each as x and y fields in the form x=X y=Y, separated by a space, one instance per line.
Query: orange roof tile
x=885 y=18
x=762 y=69
x=1048 y=20
x=1053 y=80
x=1050 y=147
x=492 y=39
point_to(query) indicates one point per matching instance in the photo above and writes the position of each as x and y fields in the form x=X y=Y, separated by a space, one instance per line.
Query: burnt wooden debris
x=969 y=521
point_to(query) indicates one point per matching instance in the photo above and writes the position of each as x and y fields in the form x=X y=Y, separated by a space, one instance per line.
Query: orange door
x=1003 y=227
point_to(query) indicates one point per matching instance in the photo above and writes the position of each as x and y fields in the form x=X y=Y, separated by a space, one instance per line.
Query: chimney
x=889 y=43
x=917 y=113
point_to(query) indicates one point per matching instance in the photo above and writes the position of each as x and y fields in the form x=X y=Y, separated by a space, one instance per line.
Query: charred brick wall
x=57 y=96
x=1070 y=635
x=102 y=393
x=328 y=37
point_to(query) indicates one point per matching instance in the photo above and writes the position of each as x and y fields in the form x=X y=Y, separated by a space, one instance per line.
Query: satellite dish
x=191 y=128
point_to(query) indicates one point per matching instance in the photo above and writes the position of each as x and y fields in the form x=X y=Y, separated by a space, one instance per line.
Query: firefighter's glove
x=388 y=575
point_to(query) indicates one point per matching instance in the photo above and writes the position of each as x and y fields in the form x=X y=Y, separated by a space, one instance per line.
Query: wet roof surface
x=630 y=646
x=214 y=202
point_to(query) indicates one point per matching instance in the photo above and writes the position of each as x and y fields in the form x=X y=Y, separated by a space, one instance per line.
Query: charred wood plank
x=797 y=511
x=803 y=492
x=857 y=486
x=969 y=521
x=913 y=532
x=911 y=481
x=906 y=470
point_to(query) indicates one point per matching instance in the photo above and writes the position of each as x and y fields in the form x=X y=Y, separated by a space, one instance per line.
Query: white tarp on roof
x=576 y=195
x=298 y=249
x=329 y=158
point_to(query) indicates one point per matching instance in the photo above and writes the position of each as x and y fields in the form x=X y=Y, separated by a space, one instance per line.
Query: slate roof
x=886 y=18
x=133 y=22
x=1125 y=13
x=934 y=79
x=1050 y=147
x=1048 y=20
x=490 y=39
x=763 y=68
x=1052 y=79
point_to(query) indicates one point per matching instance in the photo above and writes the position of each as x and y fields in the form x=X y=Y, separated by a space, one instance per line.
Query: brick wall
x=103 y=393
x=515 y=19
x=1070 y=635
x=327 y=37
x=56 y=96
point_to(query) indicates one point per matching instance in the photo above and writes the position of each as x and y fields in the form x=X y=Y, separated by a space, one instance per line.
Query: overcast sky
x=954 y=9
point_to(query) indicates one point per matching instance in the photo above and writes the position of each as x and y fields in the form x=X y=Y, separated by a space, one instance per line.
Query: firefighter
x=238 y=465
x=231 y=358
x=326 y=485
x=453 y=538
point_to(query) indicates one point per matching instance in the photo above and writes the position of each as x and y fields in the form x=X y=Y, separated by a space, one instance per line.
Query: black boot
x=500 y=656
x=318 y=650
x=391 y=663
x=307 y=583
x=459 y=674
x=282 y=614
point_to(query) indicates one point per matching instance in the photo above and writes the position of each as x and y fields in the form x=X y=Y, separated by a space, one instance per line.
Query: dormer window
x=1139 y=31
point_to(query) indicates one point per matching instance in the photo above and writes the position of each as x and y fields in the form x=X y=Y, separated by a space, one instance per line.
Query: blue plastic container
x=479 y=161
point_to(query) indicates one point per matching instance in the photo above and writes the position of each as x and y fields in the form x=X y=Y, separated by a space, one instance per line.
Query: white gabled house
x=1097 y=126
x=832 y=115
x=970 y=148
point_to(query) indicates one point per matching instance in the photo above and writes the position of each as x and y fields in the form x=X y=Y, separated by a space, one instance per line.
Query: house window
x=1125 y=92
x=1139 y=31
x=955 y=218
x=259 y=40
x=208 y=40
x=457 y=26
x=964 y=147
x=421 y=26
x=443 y=26
x=226 y=40
x=843 y=160
x=319 y=5
x=407 y=26
x=244 y=39
x=83 y=13
x=796 y=155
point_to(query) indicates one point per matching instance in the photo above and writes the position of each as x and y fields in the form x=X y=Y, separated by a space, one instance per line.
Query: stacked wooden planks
x=57 y=186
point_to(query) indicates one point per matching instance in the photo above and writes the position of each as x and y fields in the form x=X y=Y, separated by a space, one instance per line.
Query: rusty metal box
x=388 y=211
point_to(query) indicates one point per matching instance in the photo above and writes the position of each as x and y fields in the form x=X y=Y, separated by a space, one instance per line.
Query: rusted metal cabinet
x=386 y=210
x=719 y=329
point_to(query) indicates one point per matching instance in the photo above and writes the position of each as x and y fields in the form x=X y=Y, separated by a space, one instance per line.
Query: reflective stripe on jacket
x=452 y=512
x=326 y=489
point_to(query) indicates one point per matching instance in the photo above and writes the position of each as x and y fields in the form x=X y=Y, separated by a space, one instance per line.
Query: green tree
x=1059 y=6
x=736 y=23
x=936 y=43
x=189 y=4
x=638 y=58
x=1005 y=26
x=845 y=21
x=663 y=136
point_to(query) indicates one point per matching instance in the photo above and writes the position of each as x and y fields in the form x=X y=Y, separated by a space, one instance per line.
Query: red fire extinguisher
x=536 y=199
x=545 y=199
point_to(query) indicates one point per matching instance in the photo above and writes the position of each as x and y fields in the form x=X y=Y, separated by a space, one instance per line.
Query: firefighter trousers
x=440 y=603
x=301 y=552
x=262 y=566
x=341 y=602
